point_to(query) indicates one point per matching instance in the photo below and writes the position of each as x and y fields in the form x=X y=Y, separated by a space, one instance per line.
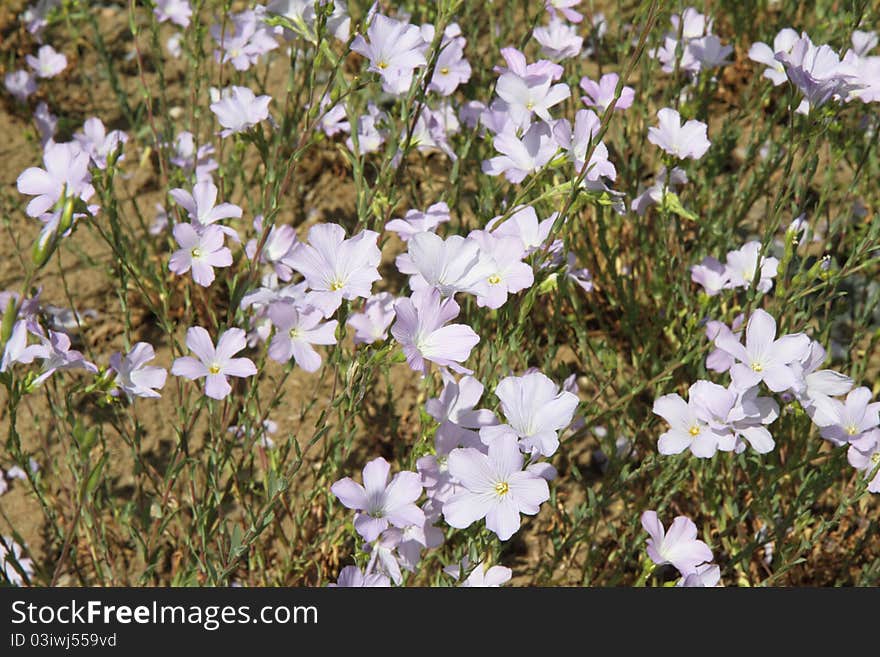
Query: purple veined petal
x=674 y=441
x=185 y=200
x=324 y=334
x=280 y=348
x=760 y=332
x=37 y=182
x=189 y=368
x=472 y=468
x=140 y=353
x=199 y=342
x=217 y=386
x=729 y=343
x=744 y=377
x=704 y=444
x=759 y=438
x=651 y=524
x=779 y=378
x=368 y=527
x=230 y=343
x=529 y=491
x=505 y=457
x=465 y=508
x=674 y=410
x=681 y=529
x=305 y=356
x=452 y=342
x=791 y=348
x=503 y=518
x=350 y=493
x=219 y=258
x=150 y=377
x=202 y=273
x=405 y=488
x=406 y=515
x=376 y=476
x=239 y=367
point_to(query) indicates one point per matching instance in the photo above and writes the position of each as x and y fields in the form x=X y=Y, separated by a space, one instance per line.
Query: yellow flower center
x=444 y=71
x=502 y=488
x=494 y=279
x=852 y=430
x=757 y=367
x=214 y=369
x=293 y=333
x=694 y=430
x=196 y=252
x=875 y=458
x=383 y=65
x=530 y=106
x=336 y=285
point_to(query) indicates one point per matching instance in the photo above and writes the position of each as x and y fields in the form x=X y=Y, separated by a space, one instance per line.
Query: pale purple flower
x=680 y=141
x=200 y=250
x=351 y=576
x=520 y=157
x=214 y=364
x=577 y=141
x=455 y=410
x=415 y=221
x=98 y=143
x=134 y=376
x=524 y=224
x=379 y=503
x=16 y=567
x=17 y=349
x=853 y=418
x=160 y=222
x=564 y=7
x=337 y=268
x=748 y=420
x=277 y=248
x=481 y=576
x=679 y=546
x=819 y=386
x=558 y=40
x=297 y=329
x=334 y=120
x=698 y=424
x=709 y=51
x=864 y=455
x=201 y=206
x=653 y=195
x=580 y=276
x=495 y=487
x=301 y=13
x=257 y=434
x=238 y=109
x=530 y=94
x=422 y=330
x=711 y=275
x=817 y=71
x=369 y=136
x=764 y=358
x=764 y=54
x=452 y=69
x=176 y=11
x=706 y=576
x=48 y=63
x=191 y=160
x=863 y=42
x=536 y=411
x=66 y=173
x=500 y=271
x=742 y=266
x=20 y=84
x=244 y=41
x=46 y=122
x=448 y=265
x=600 y=94
x=395 y=49
x=56 y=354
x=373 y=323
x=719 y=360
x=410 y=541
x=172 y=45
